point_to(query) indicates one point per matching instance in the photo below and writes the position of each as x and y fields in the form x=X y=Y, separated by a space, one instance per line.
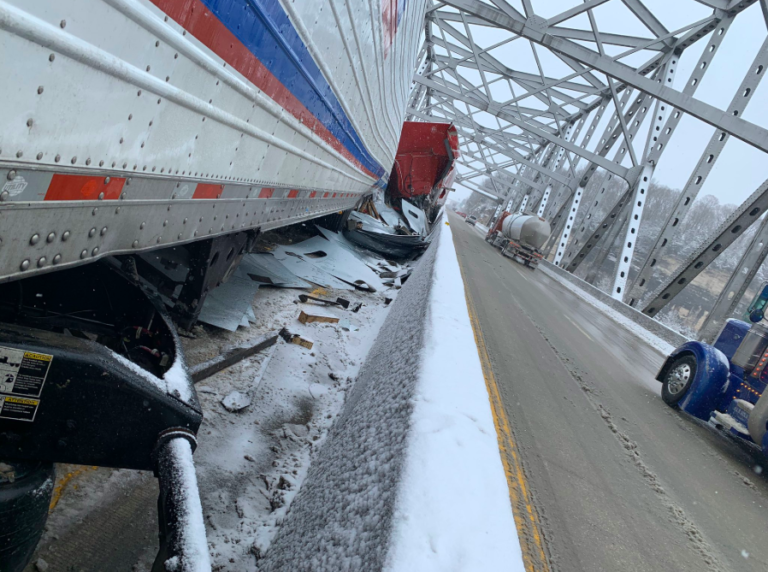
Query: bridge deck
x=620 y=481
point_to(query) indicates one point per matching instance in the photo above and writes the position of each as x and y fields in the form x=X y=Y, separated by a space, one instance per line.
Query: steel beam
x=734 y=226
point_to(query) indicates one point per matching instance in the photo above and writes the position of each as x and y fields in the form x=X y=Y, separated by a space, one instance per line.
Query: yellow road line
x=59 y=489
x=579 y=328
x=526 y=520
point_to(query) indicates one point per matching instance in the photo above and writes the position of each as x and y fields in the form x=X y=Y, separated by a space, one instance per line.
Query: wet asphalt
x=621 y=482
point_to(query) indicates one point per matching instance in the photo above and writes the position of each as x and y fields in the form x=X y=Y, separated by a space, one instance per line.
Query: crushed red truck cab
x=424 y=165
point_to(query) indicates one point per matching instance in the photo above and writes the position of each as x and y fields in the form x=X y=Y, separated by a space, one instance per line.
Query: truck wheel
x=23 y=510
x=678 y=379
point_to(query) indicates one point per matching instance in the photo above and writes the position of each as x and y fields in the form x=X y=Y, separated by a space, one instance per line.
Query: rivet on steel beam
x=35 y=239
x=51 y=237
x=94 y=211
x=95 y=251
x=103 y=231
x=19 y=154
x=41 y=261
x=65 y=236
x=142 y=225
x=91 y=233
x=11 y=175
x=39 y=156
x=159 y=238
x=101 y=196
x=57 y=158
x=57 y=259
x=165 y=222
x=83 y=254
x=74 y=160
x=135 y=243
x=24 y=265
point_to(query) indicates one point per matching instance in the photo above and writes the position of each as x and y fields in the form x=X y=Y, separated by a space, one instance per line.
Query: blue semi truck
x=724 y=383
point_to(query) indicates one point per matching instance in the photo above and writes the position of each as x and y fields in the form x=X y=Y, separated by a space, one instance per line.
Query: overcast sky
x=740 y=169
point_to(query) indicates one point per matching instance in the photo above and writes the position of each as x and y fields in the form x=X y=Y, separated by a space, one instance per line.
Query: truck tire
x=23 y=511
x=678 y=379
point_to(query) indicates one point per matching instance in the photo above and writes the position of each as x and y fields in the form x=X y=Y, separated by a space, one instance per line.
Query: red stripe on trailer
x=207 y=191
x=333 y=196
x=312 y=194
x=194 y=17
x=266 y=193
x=325 y=196
x=293 y=193
x=83 y=188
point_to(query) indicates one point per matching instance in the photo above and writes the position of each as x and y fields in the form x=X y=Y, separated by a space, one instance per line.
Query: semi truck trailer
x=520 y=237
x=144 y=146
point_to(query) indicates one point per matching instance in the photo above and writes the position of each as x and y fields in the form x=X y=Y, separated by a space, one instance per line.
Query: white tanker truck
x=520 y=236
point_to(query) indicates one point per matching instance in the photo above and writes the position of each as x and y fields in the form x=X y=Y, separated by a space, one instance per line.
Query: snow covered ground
x=453 y=510
x=410 y=477
x=251 y=463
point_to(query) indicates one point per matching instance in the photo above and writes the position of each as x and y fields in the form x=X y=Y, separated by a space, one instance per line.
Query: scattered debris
x=267 y=269
x=236 y=401
x=296 y=339
x=357 y=307
x=338 y=302
x=347 y=325
x=207 y=369
x=41 y=565
x=305 y=318
x=227 y=306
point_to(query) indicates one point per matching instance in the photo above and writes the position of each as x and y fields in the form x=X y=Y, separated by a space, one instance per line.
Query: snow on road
x=453 y=510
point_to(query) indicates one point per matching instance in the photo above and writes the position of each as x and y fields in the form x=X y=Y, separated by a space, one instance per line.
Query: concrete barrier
x=646 y=322
x=342 y=517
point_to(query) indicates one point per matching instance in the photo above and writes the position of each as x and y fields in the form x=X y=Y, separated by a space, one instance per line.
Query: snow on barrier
x=592 y=293
x=410 y=476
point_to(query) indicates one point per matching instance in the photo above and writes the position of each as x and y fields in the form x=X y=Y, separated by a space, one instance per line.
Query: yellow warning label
x=41 y=357
x=22 y=401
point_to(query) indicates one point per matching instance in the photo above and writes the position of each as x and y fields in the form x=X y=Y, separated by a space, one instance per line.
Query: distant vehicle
x=461 y=214
x=520 y=237
x=724 y=384
x=472 y=219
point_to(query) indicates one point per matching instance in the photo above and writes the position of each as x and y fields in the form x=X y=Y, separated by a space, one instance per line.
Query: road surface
x=618 y=480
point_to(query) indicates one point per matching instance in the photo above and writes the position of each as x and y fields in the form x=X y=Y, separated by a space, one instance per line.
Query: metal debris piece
x=267 y=269
x=208 y=368
x=308 y=271
x=338 y=302
x=227 y=305
x=416 y=217
x=333 y=258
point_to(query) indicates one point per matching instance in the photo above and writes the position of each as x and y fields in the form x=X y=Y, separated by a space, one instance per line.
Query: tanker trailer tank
x=520 y=237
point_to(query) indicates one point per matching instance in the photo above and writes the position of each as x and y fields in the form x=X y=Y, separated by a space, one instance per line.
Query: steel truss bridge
x=612 y=102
